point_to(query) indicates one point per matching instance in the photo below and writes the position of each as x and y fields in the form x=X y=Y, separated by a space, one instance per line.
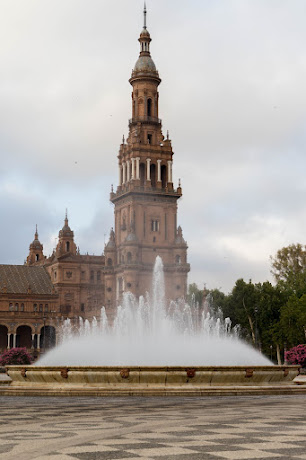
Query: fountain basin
x=151 y=381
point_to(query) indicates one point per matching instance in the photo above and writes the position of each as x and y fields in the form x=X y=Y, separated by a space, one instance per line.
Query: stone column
x=158 y=171
x=120 y=175
x=128 y=171
x=38 y=341
x=33 y=339
x=123 y=173
x=148 y=169
x=137 y=168
x=8 y=340
x=133 y=169
x=169 y=171
x=14 y=340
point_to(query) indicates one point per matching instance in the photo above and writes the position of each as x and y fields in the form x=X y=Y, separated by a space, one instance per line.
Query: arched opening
x=37 y=257
x=178 y=260
x=23 y=337
x=163 y=171
x=129 y=257
x=134 y=109
x=153 y=175
x=142 y=173
x=22 y=307
x=11 y=307
x=140 y=107
x=67 y=246
x=109 y=262
x=3 y=337
x=47 y=338
x=149 y=107
x=16 y=307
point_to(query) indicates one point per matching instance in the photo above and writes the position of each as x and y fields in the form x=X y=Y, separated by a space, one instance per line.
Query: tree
x=289 y=268
x=195 y=295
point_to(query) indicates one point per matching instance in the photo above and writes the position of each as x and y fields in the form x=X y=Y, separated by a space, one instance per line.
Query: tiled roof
x=18 y=278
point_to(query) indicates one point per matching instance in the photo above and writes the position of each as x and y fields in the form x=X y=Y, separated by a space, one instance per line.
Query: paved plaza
x=257 y=427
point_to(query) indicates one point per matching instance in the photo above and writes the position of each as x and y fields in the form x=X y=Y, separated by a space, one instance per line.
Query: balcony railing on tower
x=154 y=120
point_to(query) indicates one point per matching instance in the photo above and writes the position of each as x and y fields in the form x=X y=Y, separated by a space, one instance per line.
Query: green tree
x=289 y=268
x=292 y=324
x=195 y=294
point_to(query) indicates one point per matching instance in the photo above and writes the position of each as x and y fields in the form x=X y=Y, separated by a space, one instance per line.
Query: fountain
x=152 y=349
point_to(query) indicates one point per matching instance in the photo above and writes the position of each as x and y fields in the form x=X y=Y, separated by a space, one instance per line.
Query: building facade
x=35 y=298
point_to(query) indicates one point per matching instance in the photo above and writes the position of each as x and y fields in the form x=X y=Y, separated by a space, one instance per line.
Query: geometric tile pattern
x=168 y=428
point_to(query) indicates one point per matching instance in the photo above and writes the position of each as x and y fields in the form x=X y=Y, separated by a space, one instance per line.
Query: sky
x=233 y=97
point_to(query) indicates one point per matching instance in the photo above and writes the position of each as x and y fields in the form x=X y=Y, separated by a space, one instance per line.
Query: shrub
x=15 y=356
x=296 y=355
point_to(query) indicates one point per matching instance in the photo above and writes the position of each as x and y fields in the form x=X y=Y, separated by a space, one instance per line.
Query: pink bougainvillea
x=15 y=356
x=297 y=355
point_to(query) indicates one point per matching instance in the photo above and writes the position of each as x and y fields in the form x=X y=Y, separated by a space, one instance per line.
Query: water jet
x=152 y=349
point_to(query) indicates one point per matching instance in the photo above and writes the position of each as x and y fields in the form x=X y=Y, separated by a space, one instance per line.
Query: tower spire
x=145 y=16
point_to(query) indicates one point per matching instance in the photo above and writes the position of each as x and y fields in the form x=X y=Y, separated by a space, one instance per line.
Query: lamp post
x=44 y=320
x=256 y=331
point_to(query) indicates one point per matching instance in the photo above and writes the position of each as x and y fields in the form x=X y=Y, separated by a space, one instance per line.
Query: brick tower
x=145 y=200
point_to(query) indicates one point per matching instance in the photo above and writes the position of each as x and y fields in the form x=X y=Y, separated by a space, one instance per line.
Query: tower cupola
x=66 y=239
x=36 y=250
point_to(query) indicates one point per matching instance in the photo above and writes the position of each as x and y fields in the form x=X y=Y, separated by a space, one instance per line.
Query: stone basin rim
x=152 y=368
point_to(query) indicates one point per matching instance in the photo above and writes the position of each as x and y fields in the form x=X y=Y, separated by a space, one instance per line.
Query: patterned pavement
x=258 y=427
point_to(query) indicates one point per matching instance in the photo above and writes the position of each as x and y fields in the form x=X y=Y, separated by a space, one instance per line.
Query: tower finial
x=145 y=16
x=66 y=217
x=36 y=233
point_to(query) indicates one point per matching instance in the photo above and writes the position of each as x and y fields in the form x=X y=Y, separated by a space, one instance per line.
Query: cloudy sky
x=233 y=97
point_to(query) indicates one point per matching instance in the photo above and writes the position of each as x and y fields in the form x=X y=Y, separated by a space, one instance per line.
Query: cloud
x=233 y=97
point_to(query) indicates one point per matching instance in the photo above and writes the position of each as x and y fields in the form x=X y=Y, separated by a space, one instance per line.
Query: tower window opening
x=129 y=257
x=155 y=226
x=149 y=107
x=149 y=138
x=153 y=175
x=142 y=173
x=178 y=260
x=37 y=257
x=109 y=262
x=82 y=307
x=67 y=246
x=164 y=176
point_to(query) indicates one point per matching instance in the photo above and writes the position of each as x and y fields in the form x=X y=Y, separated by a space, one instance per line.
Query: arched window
x=11 y=307
x=37 y=257
x=46 y=307
x=67 y=246
x=22 y=307
x=178 y=260
x=35 y=307
x=149 y=107
x=16 y=307
x=41 y=307
x=109 y=262
x=129 y=257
